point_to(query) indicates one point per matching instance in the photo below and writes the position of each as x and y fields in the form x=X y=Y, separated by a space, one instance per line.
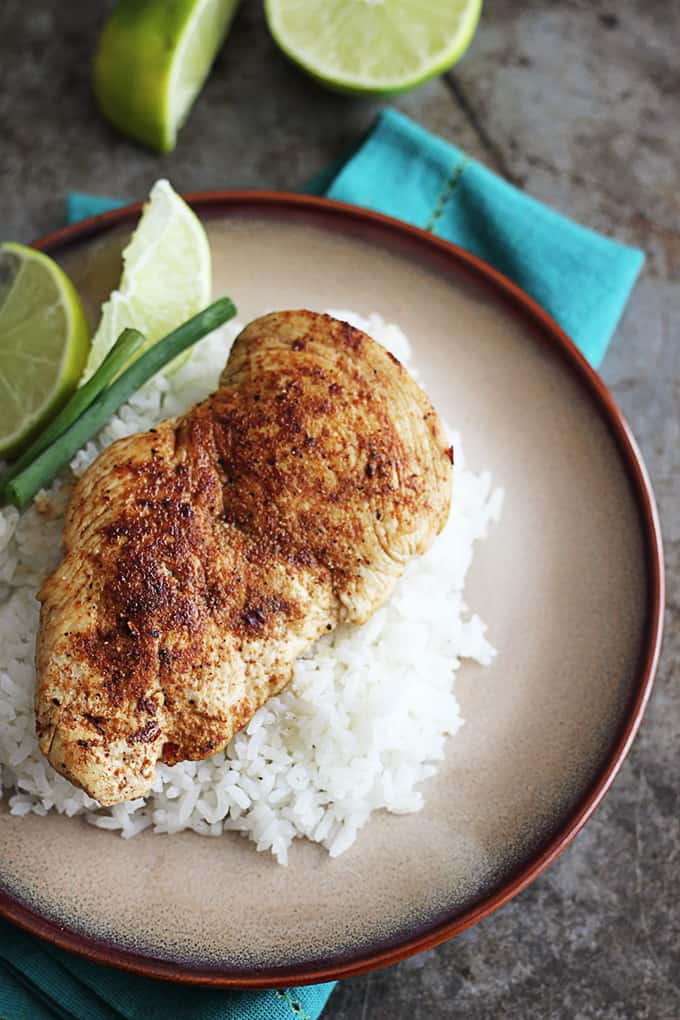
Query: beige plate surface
x=563 y=583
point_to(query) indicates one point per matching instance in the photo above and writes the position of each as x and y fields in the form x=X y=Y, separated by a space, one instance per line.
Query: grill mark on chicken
x=203 y=556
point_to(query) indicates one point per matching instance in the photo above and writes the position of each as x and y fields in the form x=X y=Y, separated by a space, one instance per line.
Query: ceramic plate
x=570 y=583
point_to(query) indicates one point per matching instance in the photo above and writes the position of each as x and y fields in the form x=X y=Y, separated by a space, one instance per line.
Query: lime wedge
x=152 y=61
x=166 y=276
x=44 y=340
x=373 y=46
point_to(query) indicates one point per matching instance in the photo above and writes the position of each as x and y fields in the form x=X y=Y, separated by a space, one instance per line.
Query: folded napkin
x=581 y=278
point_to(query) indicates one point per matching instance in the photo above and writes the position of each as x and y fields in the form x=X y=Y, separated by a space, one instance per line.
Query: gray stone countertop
x=577 y=102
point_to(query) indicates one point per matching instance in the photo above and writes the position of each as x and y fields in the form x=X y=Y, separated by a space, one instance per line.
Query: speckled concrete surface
x=578 y=103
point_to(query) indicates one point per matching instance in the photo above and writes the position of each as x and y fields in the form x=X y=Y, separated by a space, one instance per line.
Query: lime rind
x=357 y=41
x=50 y=324
x=152 y=61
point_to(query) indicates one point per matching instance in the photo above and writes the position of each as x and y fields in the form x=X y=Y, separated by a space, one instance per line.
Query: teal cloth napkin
x=40 y=982
x=581 y=278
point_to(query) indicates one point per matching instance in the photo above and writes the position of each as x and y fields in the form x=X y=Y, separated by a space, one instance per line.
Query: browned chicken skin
x=203 y=556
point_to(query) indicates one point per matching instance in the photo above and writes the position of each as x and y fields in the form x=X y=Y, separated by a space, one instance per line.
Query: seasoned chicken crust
x=204 y=556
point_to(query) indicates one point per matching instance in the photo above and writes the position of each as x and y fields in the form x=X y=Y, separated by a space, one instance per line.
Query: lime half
x=44 y=340
x=166 y=276
x=373 y=46
x=153 y=59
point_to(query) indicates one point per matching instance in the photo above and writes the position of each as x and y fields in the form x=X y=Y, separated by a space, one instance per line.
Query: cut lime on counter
x=166 y=276
x=373 y=46
x=152 y=61
x=44 y=340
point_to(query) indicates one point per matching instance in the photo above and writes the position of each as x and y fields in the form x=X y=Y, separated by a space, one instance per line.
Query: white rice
x=365 y=720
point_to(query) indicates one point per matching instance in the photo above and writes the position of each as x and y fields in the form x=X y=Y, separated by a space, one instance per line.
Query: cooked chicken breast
x=203 y=556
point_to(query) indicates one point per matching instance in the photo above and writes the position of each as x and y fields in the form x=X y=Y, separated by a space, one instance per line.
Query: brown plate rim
x=364 y=222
